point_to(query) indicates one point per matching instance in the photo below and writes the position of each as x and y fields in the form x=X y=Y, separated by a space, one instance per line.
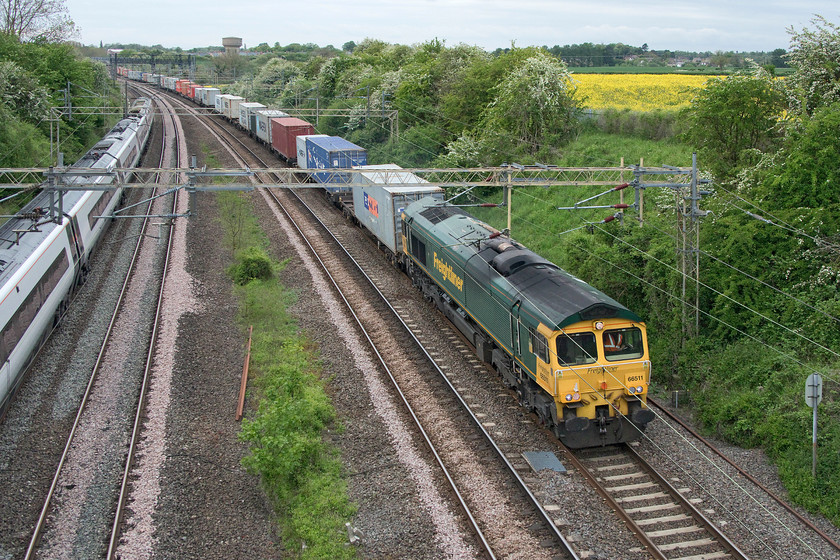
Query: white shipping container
x=246 y=109
x=232 y=107
x=210 y=96
x=220 y=102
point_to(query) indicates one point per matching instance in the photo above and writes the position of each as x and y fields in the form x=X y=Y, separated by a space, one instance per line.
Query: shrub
x=252 y=264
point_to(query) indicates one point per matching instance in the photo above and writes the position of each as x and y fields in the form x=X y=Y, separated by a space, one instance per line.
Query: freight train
x=575 y=357
x=42 y=263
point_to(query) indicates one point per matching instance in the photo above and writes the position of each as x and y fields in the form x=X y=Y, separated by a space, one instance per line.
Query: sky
x=714 y=25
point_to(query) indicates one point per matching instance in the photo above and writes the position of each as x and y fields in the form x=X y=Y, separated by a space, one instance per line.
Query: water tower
x=232 y=45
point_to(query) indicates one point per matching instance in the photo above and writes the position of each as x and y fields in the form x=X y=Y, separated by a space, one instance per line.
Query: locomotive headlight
x=640 y=389
x=631 y=390
x=577 y=396
x=568 y=398
x=599 y=325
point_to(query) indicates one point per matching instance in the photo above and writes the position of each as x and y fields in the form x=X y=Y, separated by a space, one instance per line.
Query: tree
x=810 y=176
x=777 y=58
x=534 y=105
x=349 y=46
x=37 y=20
x=228 y=65
x=815 y=56
x=733 y=117
x=721 y=59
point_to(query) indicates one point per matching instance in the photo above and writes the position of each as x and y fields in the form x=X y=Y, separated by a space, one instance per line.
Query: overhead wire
x=776 y=221
x=583 y=367
x=729 y=298
x=677 y=462
x=751 y=277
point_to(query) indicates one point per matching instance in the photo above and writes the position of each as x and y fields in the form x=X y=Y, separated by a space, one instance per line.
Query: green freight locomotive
x=575 y=357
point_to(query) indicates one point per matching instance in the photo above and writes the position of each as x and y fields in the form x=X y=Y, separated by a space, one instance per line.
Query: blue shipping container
x=333 y=152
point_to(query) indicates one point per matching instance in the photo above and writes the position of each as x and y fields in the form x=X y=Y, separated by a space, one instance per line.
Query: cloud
x=676 y=25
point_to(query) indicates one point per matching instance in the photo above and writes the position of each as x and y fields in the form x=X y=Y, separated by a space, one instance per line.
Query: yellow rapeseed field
x=637 y=92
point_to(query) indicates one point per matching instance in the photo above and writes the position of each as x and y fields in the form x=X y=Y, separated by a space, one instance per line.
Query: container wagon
x=284 y=134
x=264 y=117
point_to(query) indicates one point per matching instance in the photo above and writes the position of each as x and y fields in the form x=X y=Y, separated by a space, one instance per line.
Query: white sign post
x=813 y=396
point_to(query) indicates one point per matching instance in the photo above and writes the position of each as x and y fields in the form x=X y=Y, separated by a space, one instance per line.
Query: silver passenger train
x=42 y=263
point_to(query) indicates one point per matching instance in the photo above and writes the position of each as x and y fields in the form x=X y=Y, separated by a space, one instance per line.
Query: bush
x=252 y=264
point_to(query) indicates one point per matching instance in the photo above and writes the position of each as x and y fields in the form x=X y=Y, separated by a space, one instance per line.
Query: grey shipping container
x=378 y=207
x=264 y=117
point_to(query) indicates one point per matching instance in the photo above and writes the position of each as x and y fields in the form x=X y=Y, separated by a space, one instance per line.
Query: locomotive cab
x=599 y=375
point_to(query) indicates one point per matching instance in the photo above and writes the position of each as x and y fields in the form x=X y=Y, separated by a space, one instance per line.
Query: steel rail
x=34 y=542
x=137 y=427
x=747 y=475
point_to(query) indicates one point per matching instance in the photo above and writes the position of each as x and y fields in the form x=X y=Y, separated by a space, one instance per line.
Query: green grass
x=594 y=148
x=298 y=469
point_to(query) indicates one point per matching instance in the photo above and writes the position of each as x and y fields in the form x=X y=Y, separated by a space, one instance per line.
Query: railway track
x=173 y=133
x=665 y=518
x=414 y=362
x=678 y=535
x=820 y=543
x=86 y=474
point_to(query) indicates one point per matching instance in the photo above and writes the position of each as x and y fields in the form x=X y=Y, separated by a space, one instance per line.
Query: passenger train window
x=623 y=344
x=575 y=349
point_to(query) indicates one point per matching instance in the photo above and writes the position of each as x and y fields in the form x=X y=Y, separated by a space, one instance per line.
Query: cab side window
x=575 y=349
x=418 y=249
x=538 y=345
